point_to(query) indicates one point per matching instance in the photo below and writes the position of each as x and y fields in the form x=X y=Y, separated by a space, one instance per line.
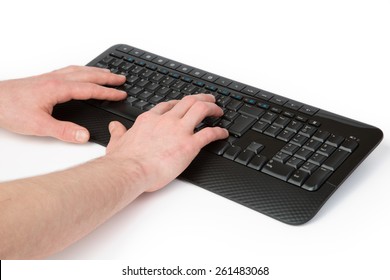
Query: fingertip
x=81 y=136
x=111 y=126
x=116 y=128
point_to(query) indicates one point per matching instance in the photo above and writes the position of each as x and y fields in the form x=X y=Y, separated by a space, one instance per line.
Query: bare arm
x=42 y=215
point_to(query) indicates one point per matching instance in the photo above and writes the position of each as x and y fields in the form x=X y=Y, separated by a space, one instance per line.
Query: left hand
x=26 y=104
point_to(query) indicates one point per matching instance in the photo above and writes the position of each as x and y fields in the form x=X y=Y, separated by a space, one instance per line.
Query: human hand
x=26 y=104
x=162 y=141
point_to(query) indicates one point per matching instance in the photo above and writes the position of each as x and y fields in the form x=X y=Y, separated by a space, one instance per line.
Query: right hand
x=162 y=141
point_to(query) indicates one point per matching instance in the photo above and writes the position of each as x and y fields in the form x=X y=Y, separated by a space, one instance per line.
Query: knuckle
x=201 y=107
x=72 y=67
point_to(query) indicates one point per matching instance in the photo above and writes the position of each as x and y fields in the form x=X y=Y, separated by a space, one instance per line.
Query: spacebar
x=122 y=109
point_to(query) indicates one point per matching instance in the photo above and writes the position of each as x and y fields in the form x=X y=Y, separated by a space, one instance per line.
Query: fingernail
x=82 y=136
x=111 y=126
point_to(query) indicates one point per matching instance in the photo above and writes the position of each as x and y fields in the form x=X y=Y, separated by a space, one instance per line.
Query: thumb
x=116 y=130
x=66 y=131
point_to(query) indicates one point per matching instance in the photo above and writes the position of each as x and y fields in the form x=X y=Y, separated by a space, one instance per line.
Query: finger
x=63 y=130
x=188 y=101
x=74 y=68
x=210 y=134
x=164 y=107
x=116 y=131
x=84 y=91
x=201 y=110
x=96 y=77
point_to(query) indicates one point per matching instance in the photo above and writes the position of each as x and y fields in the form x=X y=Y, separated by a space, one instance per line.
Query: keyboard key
x=310 y=110
x=218 y=147
x=309 y=167
x=291 y=104
x=285 y=135
x=278 y=100
x=269 y=117
x=250 y=90
x=236 y=86
x=295 y=162
x=252 y=111
x=124 y=109
x=232 y=152
x=303 y=153
x=298 y=178
x=244 y=157
x=294 y=126
x=223 y=81
x=148 y=56
x=197 y=73
x=335 y=140
x=210 y=77
x=172 y=64
x=231 y=115
x=255 y=147
x=317 y=159
x=349 y=145
x=124 y=48
x=257 y=162
x=160 y=60
x=307 y=131
x=282 y=121
x=312 y=145
x=278 y=170
x=241 y=125
x=141 y=104
x=265 y=95
x=260 y=126
x=321 y=135
x=299 y=140
x=326 y=150
x=136 y=52
x=234 y=105
x=280 y=156
x=336 y=159
x=273 y=130
x=185 y=69
x=317 y=179
x=290 y=149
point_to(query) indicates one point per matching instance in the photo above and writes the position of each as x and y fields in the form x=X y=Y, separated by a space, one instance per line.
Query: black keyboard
x=283 y=158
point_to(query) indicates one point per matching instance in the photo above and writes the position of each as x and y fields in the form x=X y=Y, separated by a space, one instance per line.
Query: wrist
x=126 y=172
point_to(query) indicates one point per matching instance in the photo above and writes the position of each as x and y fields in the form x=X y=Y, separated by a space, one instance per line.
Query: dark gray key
x=123 y=109
x=273 y=130
x=244 y=157
x=257 y=162
x=255 y=147
x=278 y=170
x=241 y=125
x=349 y=145
x=232 y=152
x=286 y=135
x=336 y=159
x=252 y=111
x=298 y=178
x=218 y=147
x=317 y=179
x=260 y=126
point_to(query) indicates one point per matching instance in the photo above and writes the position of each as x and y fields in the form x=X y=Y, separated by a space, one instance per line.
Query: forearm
x=44 y=214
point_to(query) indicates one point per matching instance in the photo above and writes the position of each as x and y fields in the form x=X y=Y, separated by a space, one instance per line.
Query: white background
x=330 y=54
